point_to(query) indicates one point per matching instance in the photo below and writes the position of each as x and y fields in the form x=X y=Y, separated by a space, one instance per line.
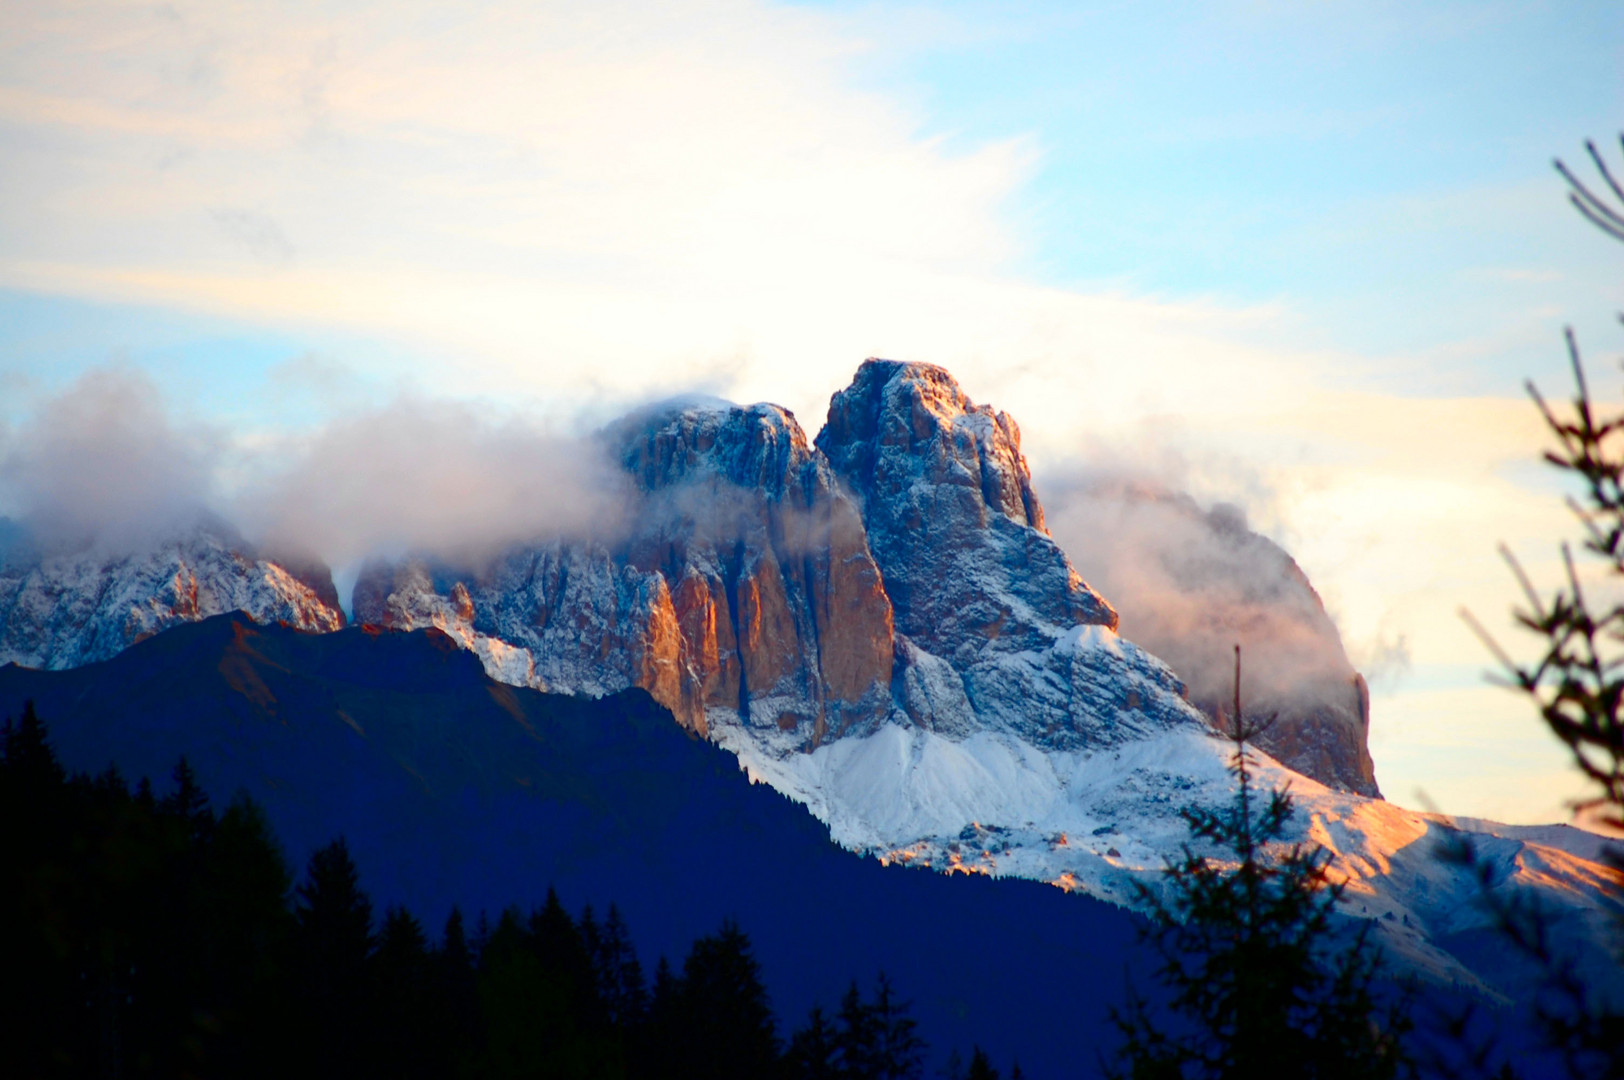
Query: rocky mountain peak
x=920 y=410
x=951 y=516
x=759 y=448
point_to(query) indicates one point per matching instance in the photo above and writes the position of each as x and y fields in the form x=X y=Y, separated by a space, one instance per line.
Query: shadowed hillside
x=454 y=789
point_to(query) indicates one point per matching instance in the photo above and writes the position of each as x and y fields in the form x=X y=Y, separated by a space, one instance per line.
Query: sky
x=1295 y=257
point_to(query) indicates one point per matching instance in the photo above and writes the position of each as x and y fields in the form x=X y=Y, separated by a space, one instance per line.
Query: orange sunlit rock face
x=657 y=658
x=767 y=638
x=855 y=631
x=710 y=655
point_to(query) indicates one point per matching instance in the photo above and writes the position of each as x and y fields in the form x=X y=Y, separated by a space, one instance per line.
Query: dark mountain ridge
x=453 y=788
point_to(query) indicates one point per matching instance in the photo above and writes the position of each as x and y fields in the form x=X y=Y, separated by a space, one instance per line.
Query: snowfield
x=1098 y=822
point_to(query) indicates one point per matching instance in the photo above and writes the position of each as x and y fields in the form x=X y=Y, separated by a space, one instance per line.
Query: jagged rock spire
x=951 y=516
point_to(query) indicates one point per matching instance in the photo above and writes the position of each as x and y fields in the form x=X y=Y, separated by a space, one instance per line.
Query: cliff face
x=947 y=499
x=994 y=627
x=745 y=584
x=63 y=609
x=899 y=570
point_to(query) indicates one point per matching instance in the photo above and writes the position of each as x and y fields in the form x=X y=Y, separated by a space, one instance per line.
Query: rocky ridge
x=898 y=571
x=63 y=609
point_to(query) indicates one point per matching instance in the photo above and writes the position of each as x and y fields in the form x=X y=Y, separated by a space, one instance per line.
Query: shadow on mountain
x=453 y=789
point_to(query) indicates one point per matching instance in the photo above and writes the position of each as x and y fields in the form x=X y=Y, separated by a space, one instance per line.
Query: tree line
x=154 y=936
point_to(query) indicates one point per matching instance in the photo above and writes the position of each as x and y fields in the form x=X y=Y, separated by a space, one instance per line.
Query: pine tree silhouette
x=1577 y=684
x=188 y=802
x=559 y=946
x=1255 y=971
x=620 y=975
x=247 y=930
x=40 y=922
x=405 y=1011
x=333 y=942
x=813 y=1050
x=901 y=1053
x=456 y=991
x=877 y=1039
x=727 y=1023
x=32 y=769
x=980 y=1066
x=859 y=1037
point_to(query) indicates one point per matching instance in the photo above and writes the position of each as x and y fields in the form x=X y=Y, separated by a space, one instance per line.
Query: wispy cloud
x=106 y=462
x=109 y=462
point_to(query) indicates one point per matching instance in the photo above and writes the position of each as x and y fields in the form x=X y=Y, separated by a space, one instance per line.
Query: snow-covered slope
x=61 y=609
x=1100 y=820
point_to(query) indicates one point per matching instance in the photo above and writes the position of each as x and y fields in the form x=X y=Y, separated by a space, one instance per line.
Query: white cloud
x=105 y=461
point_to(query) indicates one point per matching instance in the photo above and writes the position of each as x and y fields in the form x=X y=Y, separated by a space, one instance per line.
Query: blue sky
x=1382 y=170
x=1345 y=159
x=1298 y=257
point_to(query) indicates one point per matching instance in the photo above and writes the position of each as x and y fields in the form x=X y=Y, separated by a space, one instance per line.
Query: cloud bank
x=429 y=476
x=1190 y=584
x=107 y=463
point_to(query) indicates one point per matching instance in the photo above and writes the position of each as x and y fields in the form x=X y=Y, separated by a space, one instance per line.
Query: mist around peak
x=106 y=463
x=435 y=477
x=1191 y=583
x=109 y=464
x=1196 y=582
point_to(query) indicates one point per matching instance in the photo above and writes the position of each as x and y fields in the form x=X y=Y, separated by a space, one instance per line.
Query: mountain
x=1008 y=730
x=1190 y=583
x=453 y=788
x=879 y=626
x=61 y=609
x=898 y=572
x=744 y=586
